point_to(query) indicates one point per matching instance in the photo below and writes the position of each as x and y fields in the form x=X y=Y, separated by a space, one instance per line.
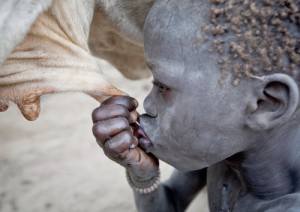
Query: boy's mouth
x=144 y=141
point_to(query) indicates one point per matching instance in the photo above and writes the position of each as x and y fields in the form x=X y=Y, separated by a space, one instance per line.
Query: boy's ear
x=274 y=102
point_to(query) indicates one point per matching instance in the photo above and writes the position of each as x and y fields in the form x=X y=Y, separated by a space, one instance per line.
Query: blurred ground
x=54 y=164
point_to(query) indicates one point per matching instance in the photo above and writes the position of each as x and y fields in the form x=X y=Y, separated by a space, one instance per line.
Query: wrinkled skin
x=53 y=46
x=228 y=138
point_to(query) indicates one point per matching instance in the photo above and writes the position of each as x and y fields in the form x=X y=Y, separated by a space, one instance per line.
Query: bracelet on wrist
x=145 y=190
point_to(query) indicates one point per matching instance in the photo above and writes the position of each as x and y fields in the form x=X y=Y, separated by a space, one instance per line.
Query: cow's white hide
x=16 y=18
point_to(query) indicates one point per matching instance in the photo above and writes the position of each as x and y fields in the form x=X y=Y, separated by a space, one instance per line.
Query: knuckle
x=95 y=113
x=117 y=147
x=123 y=122
x=95 y=129
x=109 y=147
x=98 y=131
x=100 y=144
x=111 y=100
x=115 y=152
x=113 y=148
x=126 y=136
x=122 y=111
x=99 y=113
x=126 y=101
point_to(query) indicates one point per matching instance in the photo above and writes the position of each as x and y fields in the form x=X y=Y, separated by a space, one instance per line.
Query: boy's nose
x=150 y=107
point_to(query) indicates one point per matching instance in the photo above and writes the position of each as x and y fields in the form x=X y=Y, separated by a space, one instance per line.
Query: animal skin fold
x=54 y=57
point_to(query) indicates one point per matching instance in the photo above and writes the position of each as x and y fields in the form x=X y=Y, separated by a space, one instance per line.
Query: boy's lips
x=144 y=141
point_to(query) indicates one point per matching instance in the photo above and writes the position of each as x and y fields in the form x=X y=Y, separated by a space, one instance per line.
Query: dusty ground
x=54 y=163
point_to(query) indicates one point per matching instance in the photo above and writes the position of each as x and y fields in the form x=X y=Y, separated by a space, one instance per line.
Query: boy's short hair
x=262 y=36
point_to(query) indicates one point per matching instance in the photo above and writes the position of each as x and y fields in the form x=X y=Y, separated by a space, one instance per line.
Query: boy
x=224 y=108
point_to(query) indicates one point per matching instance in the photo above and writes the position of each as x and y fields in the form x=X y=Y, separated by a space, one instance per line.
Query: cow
x=51 y=46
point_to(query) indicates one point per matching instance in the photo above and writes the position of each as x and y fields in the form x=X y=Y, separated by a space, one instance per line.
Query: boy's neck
x=271 y=169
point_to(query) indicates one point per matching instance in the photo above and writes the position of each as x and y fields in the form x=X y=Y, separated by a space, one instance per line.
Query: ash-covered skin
x=184 y=118
x=241 y=141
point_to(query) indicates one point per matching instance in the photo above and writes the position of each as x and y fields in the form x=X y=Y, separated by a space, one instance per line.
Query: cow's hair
x=16 y=18
x=130 y=16
x=255 y=37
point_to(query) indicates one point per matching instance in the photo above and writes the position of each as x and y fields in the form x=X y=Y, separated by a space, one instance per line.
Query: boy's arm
x=174 y=194
x=113 y=130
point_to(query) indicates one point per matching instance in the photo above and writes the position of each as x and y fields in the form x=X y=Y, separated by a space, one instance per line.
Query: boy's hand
x=113 y=128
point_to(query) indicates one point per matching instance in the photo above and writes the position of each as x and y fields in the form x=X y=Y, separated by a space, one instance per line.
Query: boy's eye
x=162 y=88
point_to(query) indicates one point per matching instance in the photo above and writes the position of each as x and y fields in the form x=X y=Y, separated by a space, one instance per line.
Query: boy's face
x=194 y=121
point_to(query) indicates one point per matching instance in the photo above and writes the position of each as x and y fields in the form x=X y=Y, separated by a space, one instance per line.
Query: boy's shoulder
x=227 y=193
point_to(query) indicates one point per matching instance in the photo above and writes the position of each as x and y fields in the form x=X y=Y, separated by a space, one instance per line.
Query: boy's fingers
x=110 y=111
x=133 y=117
x=103 y=130
x=118 y=146
x=127 y=101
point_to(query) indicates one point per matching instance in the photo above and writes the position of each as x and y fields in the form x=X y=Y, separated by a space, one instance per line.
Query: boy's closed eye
x=162 y=88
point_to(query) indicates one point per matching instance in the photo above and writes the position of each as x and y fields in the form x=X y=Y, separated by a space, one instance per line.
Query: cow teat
x=30 y=108
x=3 y=106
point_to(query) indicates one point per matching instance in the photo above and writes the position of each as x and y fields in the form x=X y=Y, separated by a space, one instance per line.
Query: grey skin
x=242 y=142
